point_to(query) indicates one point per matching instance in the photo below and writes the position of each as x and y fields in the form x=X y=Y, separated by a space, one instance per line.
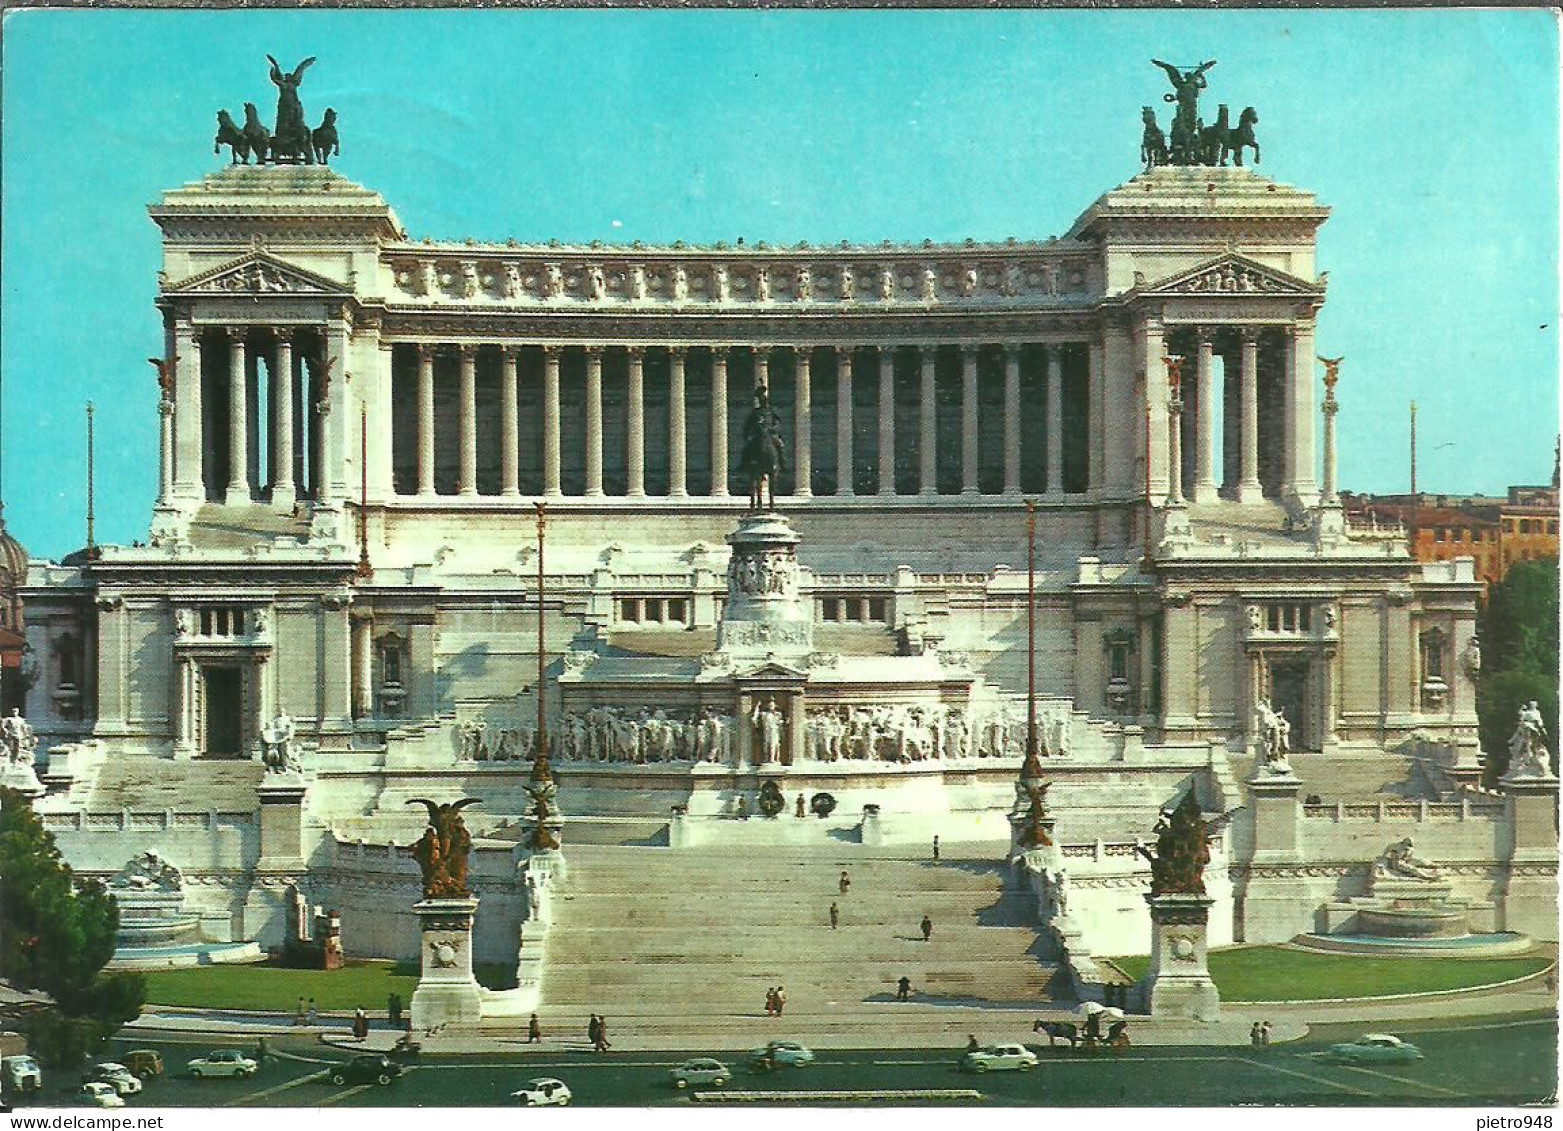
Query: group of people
x=1259 y=1034
x=775 y=1000
x=617 y=734
x=596 y=1033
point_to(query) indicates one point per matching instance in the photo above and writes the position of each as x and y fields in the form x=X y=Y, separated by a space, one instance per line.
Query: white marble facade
x=355 y=426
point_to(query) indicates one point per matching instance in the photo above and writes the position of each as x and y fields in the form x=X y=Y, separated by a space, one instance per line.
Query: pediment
x=773 y=670
x=258 y=274
x=1233 y=275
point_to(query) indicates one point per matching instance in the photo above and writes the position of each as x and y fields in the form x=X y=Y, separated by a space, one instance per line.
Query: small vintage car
x=543 y=1091
x=779 y=1054
x=1375 y=1048
x=370 y=1068
x=118 y=1077
x=95 y=1093
x=145 y=1063
x=223 y=1062
x=999 y=1058
x=702 y=1070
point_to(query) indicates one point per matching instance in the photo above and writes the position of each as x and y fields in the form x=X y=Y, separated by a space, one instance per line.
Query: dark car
x=371 y=1068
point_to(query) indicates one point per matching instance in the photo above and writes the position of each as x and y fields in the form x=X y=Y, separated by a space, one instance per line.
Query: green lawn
x=1274 y=973
x=275 y=989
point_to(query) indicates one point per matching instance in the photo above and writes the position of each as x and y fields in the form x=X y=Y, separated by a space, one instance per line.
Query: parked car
x=98 y=1094
x=118 y=1077
x=223 y=1062
x=779 y=1054
x=371 y=1068
x=145 y=1063
x=20 y=1074
x=702 y=1070
x=543 y=1091
x=998 y=1058
x=1382 y=1048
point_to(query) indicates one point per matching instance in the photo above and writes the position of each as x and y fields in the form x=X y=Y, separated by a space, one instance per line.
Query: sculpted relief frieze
x=577 y=277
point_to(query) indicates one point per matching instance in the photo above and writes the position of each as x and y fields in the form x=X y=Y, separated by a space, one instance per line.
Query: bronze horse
x=763 y=458
x=1241 y=137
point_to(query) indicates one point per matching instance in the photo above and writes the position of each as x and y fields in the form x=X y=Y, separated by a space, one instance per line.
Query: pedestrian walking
x=835 y=915
x=781 y=999
x=799 y=809
x=360 y=1024
x=903 y=988
x=591 y=1032
x=602 y=1035
x=846 y=882
x=534 y=1031
x=393 y=1010
x=971 y=1042
x=1255 y=1037
x=262 y=1051
x=300 y=1013
x=936 y=847
x=770 y=1001
x=311 y=1014
x=1264 y=1034
x=927 y=926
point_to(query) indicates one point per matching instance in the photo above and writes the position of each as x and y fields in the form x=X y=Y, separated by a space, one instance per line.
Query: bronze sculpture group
x=763 y=457
x=292 y=142
x=1182 y=850
x=442 y=850
x=1193 y=142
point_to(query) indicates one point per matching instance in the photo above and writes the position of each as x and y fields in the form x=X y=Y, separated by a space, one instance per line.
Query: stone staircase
x=689 y=941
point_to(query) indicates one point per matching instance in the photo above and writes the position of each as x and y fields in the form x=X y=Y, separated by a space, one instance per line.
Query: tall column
x=551 y=486
x=886 y=359
x=844 y=485
x=1205 y=442
x=425 y=418
x=968 y=420
x=509 y=426
x=1011 y=418
x=1154 y=437
x=635 y=426
x=467 y=483
x=803 y=423
x=189 y=457
x=165 y=451
x=719 y=422
x=1328 y=496
x=928 y=420
x=1301 y=485
x=335 y=415
x=1055 y=421
x=1248 y=488
x=1175 y=449
x=283 y=490
x=1096 y=386
x=238 y=418
x=363 y=667
x=1121 y=435
x=594 y=422
x=678 y=486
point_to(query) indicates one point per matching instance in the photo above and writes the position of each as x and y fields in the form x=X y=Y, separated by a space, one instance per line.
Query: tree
x=1519 y=634
x=57 y=937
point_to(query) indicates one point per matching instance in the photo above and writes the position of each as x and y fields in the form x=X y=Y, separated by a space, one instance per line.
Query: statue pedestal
x=1178 y=984
x=22 y=778
x=447 y=992
x=765 y=616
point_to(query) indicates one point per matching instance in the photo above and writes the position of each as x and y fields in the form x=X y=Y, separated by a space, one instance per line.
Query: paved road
x=1483 y=1062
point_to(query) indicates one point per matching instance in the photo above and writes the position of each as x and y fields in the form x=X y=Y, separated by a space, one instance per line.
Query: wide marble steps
x=659 y=936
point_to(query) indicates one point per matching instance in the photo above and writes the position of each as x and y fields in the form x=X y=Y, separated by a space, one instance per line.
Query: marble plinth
x=765 y=615
x=1179 y=984
x=448 y=993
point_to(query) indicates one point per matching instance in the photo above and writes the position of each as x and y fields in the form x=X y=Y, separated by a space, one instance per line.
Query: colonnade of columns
x=962 y=455
x=275 y=441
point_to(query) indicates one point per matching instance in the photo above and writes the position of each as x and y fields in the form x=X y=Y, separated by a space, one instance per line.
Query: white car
x=996 y=1058
x=701 y=1070
x=118 y=1077
x=98 y=1094
x=223 y=1062
x=544 y=1091
x=20 y=1074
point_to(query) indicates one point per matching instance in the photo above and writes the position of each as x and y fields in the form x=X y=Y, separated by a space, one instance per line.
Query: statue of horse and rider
x=292 y=142
x=763 y=457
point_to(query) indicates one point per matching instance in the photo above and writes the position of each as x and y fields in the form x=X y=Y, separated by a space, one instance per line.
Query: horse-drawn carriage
x=1100 y=1027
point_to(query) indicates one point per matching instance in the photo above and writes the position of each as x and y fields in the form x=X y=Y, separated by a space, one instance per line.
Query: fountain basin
x=1493 y=944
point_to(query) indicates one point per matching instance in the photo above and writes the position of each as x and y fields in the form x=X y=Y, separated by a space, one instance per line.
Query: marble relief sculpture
x=1528 y=754
x=1400 y=862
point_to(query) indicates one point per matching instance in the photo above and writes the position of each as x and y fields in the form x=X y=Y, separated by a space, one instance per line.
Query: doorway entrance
x=1289 y=692
x=222 y=708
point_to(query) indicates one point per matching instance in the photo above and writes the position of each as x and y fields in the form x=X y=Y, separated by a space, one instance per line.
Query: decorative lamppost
x=541 y=786
x=1033 y=828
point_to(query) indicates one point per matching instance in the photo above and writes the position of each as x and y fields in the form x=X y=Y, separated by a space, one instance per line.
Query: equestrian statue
x=1192 y=141
x=292 y=142
x=763 y=457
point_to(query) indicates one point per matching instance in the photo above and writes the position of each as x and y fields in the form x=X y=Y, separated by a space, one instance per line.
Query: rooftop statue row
x=1193 y=142
x=292 y=142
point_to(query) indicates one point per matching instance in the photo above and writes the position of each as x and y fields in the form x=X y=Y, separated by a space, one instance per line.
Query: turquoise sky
x=1433 y=135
